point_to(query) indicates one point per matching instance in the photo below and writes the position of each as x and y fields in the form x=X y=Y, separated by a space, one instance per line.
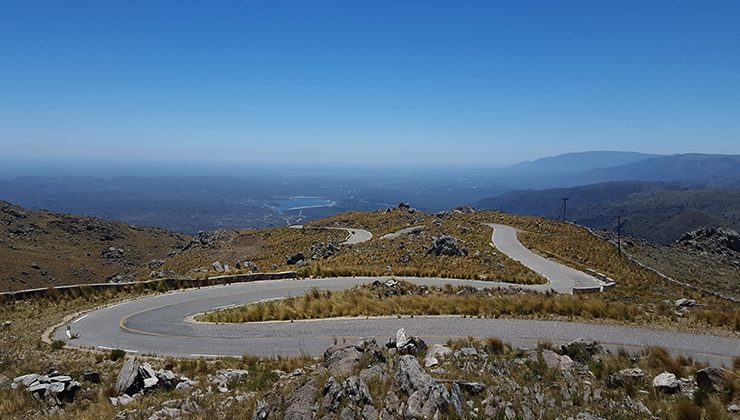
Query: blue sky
x=421 y=82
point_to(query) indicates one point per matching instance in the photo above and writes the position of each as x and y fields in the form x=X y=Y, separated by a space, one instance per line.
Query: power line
x=565 y=201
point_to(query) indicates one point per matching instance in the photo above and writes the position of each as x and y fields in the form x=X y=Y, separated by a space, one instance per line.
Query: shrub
x=57 y=344
x=117 y=354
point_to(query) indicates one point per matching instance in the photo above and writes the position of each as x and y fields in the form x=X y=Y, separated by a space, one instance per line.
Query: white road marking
x=80 y=318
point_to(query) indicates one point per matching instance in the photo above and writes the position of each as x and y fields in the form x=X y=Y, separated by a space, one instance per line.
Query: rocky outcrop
x=136 y=378
x=712 y=240
x=52 y=387
x=446 y=245
x=323 y=250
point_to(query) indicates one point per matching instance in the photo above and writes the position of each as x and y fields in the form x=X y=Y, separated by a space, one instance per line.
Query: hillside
x=705 y=169
x=43 y=249
x=658 y=212
x=577 y=162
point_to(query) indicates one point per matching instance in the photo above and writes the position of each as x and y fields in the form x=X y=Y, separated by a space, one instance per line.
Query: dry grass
x=412 y=300
x=404 y=256
x=67 y=249
x=22 y=351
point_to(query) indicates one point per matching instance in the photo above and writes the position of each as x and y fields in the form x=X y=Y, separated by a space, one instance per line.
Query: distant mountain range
x=570 y=163
x=574 y=169
x=199 y=203
x=657 y=211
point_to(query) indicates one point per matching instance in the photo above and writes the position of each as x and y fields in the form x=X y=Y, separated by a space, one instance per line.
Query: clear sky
x=455 y=82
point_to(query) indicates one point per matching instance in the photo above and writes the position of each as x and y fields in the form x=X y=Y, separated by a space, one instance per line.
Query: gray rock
x=217 y=267
x=466 y=352
x=357 y=391
x=295 y=258
x=128 y=381
x=410 y=377
x=473 y=388
x=121 y=400
x=446 y=245
x=439 y=351
x=405 y=344
x=299 y=405
x=457 y=400
x=685 y=303
x=369 y=413
x=430 y=361
x=343 y=359
x=91 y=376
x=623 y=377
x=37 y=387
x=224 y=378
x=55 y=387
x=711 y=379
x=332 y=395
x=26 y=380
x=150 y=383
x=666 y=382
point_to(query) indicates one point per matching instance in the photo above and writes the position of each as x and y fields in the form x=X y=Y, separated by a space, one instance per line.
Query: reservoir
x=298 y=203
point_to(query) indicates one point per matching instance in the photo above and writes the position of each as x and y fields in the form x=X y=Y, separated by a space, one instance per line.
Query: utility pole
x=565 y=200
x=619 y=235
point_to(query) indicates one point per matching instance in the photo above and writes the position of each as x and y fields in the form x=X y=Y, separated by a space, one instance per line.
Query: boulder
x=295 y=258
x=299 y=404
x=410 y=377
x=91 y=376
x=406 y=344
x=217 y=267
x=472 y=388
x=711 y=379
x=357 y=391
x=666 y=382
x=446 y=245
x=345 y=358
x=685 y=303
x=128 y=381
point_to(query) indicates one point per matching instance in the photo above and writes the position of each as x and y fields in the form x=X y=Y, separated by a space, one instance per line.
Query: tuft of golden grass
x=413 y=300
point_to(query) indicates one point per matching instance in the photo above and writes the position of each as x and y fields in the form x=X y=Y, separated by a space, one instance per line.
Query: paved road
x=158 y=325
x=562 y=279
x=355 y=236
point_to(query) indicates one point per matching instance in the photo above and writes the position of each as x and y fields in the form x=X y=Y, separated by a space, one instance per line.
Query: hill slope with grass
x=44 y=249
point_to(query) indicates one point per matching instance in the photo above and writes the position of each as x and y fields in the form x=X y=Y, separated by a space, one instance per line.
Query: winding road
x=162 y=324
x=560 y=278
x=354 y=236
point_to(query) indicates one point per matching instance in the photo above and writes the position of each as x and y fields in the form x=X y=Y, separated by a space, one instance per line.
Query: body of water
x=298 y=203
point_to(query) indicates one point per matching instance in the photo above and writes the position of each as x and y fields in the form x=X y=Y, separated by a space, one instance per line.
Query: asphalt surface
x=159 y=325
x=354 y=236
x=562 y=279
x=162 y=325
